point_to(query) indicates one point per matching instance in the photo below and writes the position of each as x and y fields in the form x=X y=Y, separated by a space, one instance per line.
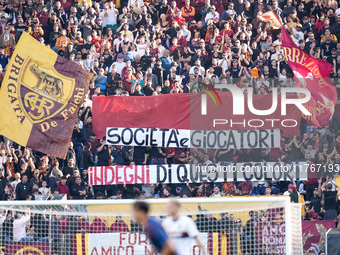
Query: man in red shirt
x=179 y=19
x=188 y=12
x=171 y=12
x=226 y=31
x=43 y=17
x=246 y=188
x=63 y=188
x=98 y=226
x=119 y=226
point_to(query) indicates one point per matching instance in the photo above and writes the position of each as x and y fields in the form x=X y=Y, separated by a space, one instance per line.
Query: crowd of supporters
x=137 y=48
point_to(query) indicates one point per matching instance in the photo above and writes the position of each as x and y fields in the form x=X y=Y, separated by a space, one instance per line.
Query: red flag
x=313 y=74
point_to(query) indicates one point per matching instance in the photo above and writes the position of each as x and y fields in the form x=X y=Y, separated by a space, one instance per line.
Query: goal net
x=228 y=225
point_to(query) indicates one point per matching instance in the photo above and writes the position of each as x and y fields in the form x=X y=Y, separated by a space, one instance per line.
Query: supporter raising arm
x=19 y=225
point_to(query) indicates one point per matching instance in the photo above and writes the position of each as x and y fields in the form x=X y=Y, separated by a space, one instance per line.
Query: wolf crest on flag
x=41 y=97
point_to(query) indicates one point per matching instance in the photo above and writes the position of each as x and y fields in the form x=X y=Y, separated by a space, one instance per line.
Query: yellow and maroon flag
x=270 y=17
x=40 y=97
x=312 y=74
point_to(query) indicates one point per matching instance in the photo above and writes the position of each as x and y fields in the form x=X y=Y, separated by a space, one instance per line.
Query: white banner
x=148 y=174
x=273 y=236
x=128 y=243
x=181 y=138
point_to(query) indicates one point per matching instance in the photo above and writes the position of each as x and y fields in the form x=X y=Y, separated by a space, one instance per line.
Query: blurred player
x=181 y=230
x=153 y=228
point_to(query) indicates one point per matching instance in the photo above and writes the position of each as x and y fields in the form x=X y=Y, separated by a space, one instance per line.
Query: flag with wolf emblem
x=40 y=97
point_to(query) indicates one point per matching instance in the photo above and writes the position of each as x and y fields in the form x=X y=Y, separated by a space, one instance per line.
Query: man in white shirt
x=111 y=15
x=16 y=181
x=337 y=12
x=160 y=48
x=181 y=230
x=224 y=62
x=213 y=15
x=3 y=217
x=103 y=14
x=19 y=226
x=118 y=41
x=3 y=13
x=278 y=41
x=132 y=3
x=120 y=64
x=200 y=68
x=298 y=35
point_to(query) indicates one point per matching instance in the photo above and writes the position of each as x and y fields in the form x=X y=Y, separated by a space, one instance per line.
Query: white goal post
x=229 y=225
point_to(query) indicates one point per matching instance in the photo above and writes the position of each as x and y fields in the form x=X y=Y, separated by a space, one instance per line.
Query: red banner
x=314 y=234
x=223 y=116
x=184 y=111
x=28 y=248
x=313 y=74
x=164 y=111
x=273 y=236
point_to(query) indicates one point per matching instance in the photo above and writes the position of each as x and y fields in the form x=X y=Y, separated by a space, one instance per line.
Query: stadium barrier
x=89 y=227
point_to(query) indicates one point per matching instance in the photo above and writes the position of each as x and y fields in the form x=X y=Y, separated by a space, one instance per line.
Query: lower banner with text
x=271 y=238
x=126 y=243
x=147 y=174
